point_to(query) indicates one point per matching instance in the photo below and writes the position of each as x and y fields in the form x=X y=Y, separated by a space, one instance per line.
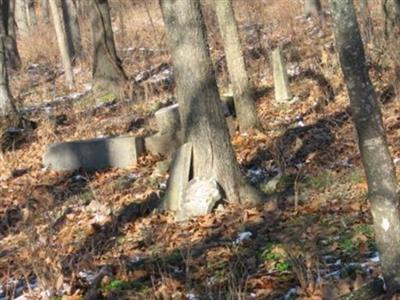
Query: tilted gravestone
x=94 y=154
x=169 y=135
x=168 y=119
x=179 y=177
x=163 y=144
x=281 y=80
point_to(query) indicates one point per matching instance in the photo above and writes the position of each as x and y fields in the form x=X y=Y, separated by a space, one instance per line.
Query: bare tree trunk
x=243 y=97
x=391 y=11
x=7 y=31
x=31 y=12
x=381 y=177
x=62 y=43
x=72 y=29
x=197 y=93
x=366 y=18
x=107 y=67
x=6 y=103
x=313 y=8
x=44 y=6
x=21 y=16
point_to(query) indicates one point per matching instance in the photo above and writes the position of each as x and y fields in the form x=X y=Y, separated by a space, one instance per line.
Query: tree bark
x=366 y=18
x=243 y=97
x=72 y=28
x=107 y=67
x=44 y=6
x=31 y=12
x=378 y=165
x=313 y=8
x=202 y=117
x=21 y=16
x=7 y=30
x=7 y=107
x=62 y=43
x=391 y=11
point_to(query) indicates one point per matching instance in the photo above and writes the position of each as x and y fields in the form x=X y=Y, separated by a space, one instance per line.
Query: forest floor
x=68 y=234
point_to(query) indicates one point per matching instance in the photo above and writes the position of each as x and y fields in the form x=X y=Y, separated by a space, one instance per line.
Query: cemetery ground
x=84 y=234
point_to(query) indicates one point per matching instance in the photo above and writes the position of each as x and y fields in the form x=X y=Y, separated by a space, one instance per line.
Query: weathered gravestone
x=94 y=154
x=179 y=177
x=281 y=80
x=168 y=119
x=163 y=144
x=169 y=135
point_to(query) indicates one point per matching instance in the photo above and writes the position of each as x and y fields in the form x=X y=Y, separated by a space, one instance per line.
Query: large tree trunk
x=197 y=93
x=7 y=30
x=313 y=8
x=6 y=103
x=72 y=29
x=243 y=97
x=62 y=43
x=381 y=178
x=107 y=67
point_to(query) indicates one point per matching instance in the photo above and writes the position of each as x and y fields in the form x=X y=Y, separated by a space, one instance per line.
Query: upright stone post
x=281 y=80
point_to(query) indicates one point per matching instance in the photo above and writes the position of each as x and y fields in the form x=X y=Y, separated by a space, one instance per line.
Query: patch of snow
x=88 y=276
x=290 y=293
x=375 y=258
x=192 y=296
x=385 y=224
x=243 y=236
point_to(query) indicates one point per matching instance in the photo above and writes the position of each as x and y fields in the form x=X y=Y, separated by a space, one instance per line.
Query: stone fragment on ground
x=200 y=197
x=94 y=154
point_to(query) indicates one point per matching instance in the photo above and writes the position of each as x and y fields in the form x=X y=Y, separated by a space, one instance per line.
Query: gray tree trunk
x=243 y=97
x=62 y=43
x=313 y=8
x=391 y=10
x=383 y=190
x=202 y=117
x=7 y=30
x=31 y=12
x=6 y=103
x=44 y=7
x=72 y=28
x=366 y=18
x=21 y=17
x=107 y=67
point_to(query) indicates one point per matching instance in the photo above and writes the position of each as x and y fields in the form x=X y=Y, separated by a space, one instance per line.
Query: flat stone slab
x=94 y=154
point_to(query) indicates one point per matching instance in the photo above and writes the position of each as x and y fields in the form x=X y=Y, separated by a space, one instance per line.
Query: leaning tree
x=7 y=31
x=383 y=190
x=202 y=117
x=243 y=97
x=108 y=73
